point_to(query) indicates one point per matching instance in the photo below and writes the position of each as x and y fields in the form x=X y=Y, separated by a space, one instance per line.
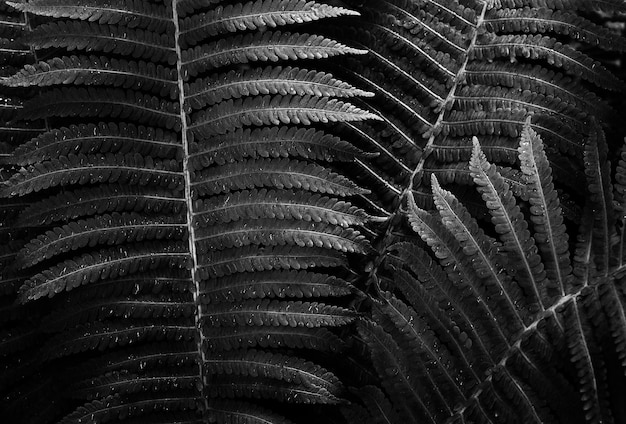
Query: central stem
x=189 y=201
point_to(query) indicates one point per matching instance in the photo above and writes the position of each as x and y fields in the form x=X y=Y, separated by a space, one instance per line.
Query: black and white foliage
x=286 y=211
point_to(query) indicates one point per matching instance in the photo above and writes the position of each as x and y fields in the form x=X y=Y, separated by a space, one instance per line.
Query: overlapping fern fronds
x=521 y=328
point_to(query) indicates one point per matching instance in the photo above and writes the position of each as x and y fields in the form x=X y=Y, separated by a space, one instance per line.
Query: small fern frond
x=118 y=138
x=563 y=22
x=267 y=46
x=89 y=169
x=490 y=46
x=320 y=338
x=254 y=259
x=547 y=217
x=278 y=313
x=271 y=232
x=103 y=229
x=105 y=198
x=268 y=80
x=134 y=14
x=103 y=264
x=274 y=110
x=97 y=70
x=228 y=411
x=273 y=284
x=104 y=102
x=511 y=226
x=91 y=36
x=277 y=204
x=254 y=15
x=273 y=142
x=281 y=173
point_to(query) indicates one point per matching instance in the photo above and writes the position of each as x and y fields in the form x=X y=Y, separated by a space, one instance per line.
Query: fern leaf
x=274 y=142
x=268 y=80
x=101 y=199
x=255 y=15
x=598 y=171
x=482 y=255
x=277 y=313
x=274 y=110
x=102 y=336
x=547 y=218
x=101 y=138
x=255 y=258
x=112 y=407
x=238 y=412
x=135 y=13
x=91 y=36
x=187 y=7
x=267 y=46
x=277 y=204
x=104 y=102
x=271 y=232
x=273 y=284
x=104 y=264
x=563 y=22
x=103 y=229
x=80 y=169
x=261 y=388
x=563 y=56
x=96 y=70
x=511 y=226
x=124 y=383
x=143 y=307
x=281 y=173
x=320 y=339
x=290 y=369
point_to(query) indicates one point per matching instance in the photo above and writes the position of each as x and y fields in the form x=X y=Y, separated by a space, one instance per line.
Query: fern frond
x=274 y=110
x=274 y=142
x=104 y=264
x=511 y=226
x=96 y=70
x=608 y=6
x=380 y=409
x=482 y=254
x=131 y=169
x=263 y=388
x=272 y=232
x=255 y=15
x=542 y=21
x=267 y=46
x=135 y=307
x=105 y=198
x=320 y=339
x=598 y=171
x=102 y=336
x=255 y=258
x=91 y=36
x=277 y=204
x=113 y=407
x=120 y=138
x=134 y=14
x=277 y=313
x=273 y=284
x=104 y=102
x=124 y=383
x=280 y=173
x=290 y=369
x=103 y=229
x=547 y=217
x=268 y=80
x=490 y=46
